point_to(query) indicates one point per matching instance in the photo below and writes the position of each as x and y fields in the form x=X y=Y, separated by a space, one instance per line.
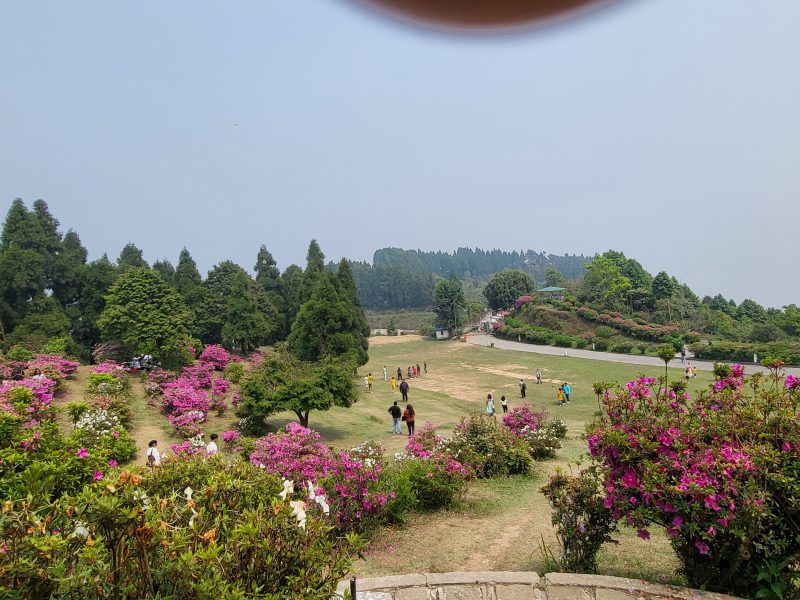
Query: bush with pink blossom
x=216 y=356
x=718 y=472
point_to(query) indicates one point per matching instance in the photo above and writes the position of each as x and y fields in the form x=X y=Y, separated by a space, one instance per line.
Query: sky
x=666 y=129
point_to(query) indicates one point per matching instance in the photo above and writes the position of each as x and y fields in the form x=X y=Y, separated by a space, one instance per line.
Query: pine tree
x=131 y=256
x=166 y=270
x=249 y=315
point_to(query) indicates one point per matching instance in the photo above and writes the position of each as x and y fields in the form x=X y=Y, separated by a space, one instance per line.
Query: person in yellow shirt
x=393 y=383
x=560 y=395
x=370 y=382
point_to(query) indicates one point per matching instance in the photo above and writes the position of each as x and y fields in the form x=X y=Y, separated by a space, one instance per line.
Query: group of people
x=562 y=395
x=142 y=361
x=691 y=370
x=154 y=455
x=408 y=415
x=490 y=410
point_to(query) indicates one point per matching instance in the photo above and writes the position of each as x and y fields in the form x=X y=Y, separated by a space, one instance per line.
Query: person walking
x=523 y=388
x=419 y=371
x=408 y=416
x=408 y=374
x=366 y=382
x=399 y=374
x=425 y=366
x=153 y=455
x=393 y=383
x=489 y=406
x=538 y=376
x=504 y=404
x=370 y=382
x=567 y=392
x=560 y=395
x=385 y=378
x=395 y=411
x=404 y=390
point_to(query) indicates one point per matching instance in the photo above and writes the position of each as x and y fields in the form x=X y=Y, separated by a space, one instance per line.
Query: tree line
x=50 y=291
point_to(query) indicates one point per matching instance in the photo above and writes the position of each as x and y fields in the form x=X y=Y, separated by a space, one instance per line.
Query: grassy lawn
x=501 y=523
x=403 y=319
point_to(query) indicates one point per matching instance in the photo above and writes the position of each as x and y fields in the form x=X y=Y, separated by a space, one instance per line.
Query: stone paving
x=508 y=585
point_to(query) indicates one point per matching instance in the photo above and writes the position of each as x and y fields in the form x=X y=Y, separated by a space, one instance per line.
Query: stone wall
x=507 y=585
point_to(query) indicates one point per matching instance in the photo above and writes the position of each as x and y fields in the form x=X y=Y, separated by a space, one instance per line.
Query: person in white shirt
x=211 y=448
x=384 y=373
x=153 y=455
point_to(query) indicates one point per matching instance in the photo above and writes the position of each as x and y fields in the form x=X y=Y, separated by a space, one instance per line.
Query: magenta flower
x=98 y=475
x=112 y=463
x=702 y=547
x=83 y=453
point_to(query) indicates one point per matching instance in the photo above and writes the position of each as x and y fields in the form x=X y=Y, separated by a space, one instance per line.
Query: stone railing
x=508 y=585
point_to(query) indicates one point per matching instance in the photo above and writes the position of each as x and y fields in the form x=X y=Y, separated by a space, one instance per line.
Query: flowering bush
x=156 y=379
x=29 y=399
x=190 y=423
x=436 y=481
x=227 y=532
x=349 y=479
x=542 y=442
x=489 y=449
x=522 y=416
x=110 y=384
x=719 y=472
x=229 y=438
x=95 y=423
x=194 y=445
x=216 y=356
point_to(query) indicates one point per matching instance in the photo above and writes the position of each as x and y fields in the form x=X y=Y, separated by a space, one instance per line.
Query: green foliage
x=449 y=303
x=250 y=318
x=492 y=450
x=604 y=332
x=19 y=353
x=663 y=286
x=329 y=325
x=131 y=258
x=428 y=479
x=145 y=313
x=76 y=408
x=137 y=534
x=787 y=351
x=553 y=278
x=605 y=284
x=165 y=269
x=583 y=524
x=283 y=382
x=234 y=372
x=505 y=287
x=392 y=328
x=120 y=447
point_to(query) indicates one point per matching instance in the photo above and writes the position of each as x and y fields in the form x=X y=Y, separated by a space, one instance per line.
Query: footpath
x=483 y=339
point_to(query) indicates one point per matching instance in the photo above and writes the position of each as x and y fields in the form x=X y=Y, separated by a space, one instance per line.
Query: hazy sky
x=667 y=129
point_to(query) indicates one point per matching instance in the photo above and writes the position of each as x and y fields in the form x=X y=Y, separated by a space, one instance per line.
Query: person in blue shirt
x=567 y=391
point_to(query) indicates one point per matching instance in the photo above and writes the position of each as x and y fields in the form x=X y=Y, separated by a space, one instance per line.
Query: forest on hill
x=49 y=290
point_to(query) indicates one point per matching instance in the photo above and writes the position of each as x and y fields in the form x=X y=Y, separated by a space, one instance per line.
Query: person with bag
x=153 y=455
x=489 y=406
x=409 y=416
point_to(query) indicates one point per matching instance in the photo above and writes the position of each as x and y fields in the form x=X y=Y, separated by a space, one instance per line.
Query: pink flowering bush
x=109 y=367
x=28 y=399
x=350 y=480
x=216 y=356
x=718 y=472
x=188 y=424
x=521 y=417
x=229 y=438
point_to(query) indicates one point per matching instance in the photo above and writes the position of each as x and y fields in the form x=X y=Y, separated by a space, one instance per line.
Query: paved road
x=482 y=339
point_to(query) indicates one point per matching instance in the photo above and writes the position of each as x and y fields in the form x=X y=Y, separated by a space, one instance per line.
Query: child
x=153 y=455
x=560 y=396
x=489 y=406
x=504 y=404
x=393 y=383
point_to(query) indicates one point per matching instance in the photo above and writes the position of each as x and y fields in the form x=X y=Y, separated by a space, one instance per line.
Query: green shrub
x=583 y=524
x=76 y=408
x=605 y=332
x=396 y=484
x=622 y=346
x=234 y=372
x=488 y=448
x=229 y=535
x=557 y=427
x=564 y=341
x=581 y=343
x=117 y=444
x=432 y=482
x=19 y=353
x=600 y=343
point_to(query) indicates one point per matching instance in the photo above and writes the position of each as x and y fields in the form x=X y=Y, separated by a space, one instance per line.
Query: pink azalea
x=83 y=453
x=98 y=475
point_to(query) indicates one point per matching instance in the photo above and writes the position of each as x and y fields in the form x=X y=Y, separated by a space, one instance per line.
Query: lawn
x=501 y=524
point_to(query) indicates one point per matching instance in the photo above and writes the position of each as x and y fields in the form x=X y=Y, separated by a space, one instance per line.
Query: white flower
x=141 y=496
x=323 y=504
x=80 y=530
x=288 y=488
x=312 y=494
x=299 y=512
x=188 y=493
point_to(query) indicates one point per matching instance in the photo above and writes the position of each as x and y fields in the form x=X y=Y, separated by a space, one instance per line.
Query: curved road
x=483 y=339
